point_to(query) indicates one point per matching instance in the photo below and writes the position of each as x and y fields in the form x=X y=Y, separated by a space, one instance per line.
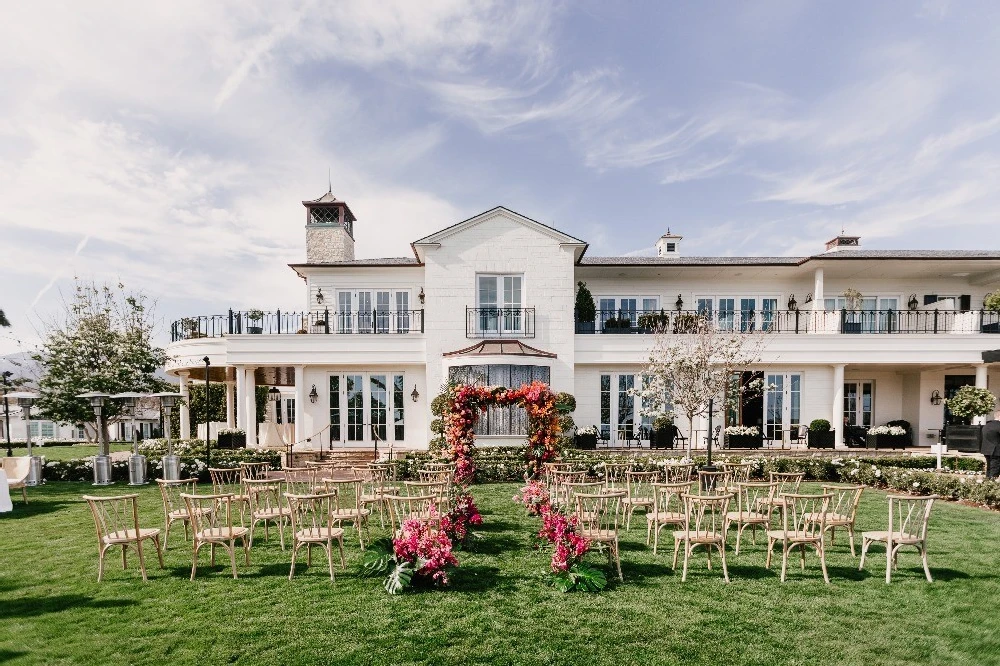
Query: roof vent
x=669 y=245
x=843 y=242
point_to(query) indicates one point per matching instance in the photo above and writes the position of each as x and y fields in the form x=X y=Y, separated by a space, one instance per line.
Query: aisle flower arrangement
x=420 y=553
x=463 y=514
x=534 y=497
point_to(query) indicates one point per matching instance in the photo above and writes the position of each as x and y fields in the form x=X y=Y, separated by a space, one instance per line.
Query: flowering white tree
x=696 y=366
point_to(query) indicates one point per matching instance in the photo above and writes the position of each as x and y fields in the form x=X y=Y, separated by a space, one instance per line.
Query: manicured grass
x=64 y=452
x=498 y=609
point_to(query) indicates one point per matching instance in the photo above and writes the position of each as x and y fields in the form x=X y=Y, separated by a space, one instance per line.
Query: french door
x=365 y=407
x=782 y=404
x=371 y=311
x=499 y=300
x=859 y=403
x=619 y=408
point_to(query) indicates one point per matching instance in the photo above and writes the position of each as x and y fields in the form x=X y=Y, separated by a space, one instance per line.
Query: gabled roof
x=499 y=211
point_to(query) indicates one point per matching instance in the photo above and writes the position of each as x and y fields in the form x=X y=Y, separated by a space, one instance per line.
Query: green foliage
x=565 y=402
x=970 y=401
x=992 y=301
x=586 y=310
x=439 y=405
x=581 y=577
x=662 y=422
x=652 y=321
x=255 y=315
x=437 y=426
x=3 y=319
x=379 y=560
x=102 y=342
x=819 y=425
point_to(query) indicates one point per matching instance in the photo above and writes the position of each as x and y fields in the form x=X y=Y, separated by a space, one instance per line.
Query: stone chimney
x=843 y=242
x=669 y=245
x=329 y=230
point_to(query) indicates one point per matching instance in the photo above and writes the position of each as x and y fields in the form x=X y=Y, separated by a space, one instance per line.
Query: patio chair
x=547 y=477
x=639 y=494
x=117 y=522
x=751 y=498
x=212 y=524
x=437 y=488
x=908 y=518
x=739 y=472
x=313 y=521
x=375 y=486
x=598 y=516
x=800 y=528
x=300 y=480
x=614 y=474
x=678 y=472
x=603 y=437
x=347 y=507
x=558 y=495
x=843 y=510
x=174 y=507
x=571 y=490
x=712 y=482
x=422 y=508
x=444 y=476
x=705 y=526
x=668 y=509
x=17 y=469
x=254 y=470
x=229 y=481
x=267 y=506
x=787 y=482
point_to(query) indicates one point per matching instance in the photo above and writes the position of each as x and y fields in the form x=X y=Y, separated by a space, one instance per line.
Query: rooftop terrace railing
x=793 y=321
x=257 y=322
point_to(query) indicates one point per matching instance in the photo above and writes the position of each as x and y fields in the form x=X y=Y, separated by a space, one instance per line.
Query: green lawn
x=64 y=452
x=498 y=609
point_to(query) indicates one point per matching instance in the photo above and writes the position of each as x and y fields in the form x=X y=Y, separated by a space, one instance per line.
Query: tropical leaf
x=399 y=578
x=589 y=578
x=563 y=581
x=378 y=558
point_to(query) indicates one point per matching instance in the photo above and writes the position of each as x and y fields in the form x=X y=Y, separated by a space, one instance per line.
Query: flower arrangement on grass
x=420 y=553
x=463 y=514
x=534 y=497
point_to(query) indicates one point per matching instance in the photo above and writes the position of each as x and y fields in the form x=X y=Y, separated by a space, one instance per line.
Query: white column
x=250 y=405
x=981 y=382
x=300 y=405
x=818 y=290
x=230 y=411
x=837 y=410
x=185 y=410
x=241 y=391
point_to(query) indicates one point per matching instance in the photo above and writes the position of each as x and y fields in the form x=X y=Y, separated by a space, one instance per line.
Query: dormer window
x=671 y=247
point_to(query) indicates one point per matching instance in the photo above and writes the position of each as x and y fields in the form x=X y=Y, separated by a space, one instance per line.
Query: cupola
x=669 y=245
x=329 y=230
x=843 y=242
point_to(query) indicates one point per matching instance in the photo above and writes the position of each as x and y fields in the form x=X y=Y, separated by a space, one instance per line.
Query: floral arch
x=466 y=403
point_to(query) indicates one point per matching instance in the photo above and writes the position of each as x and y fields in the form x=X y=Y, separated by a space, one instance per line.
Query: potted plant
x=232 y=438
x=688 y=322
x=744 y=437
x=254 y=319
x=565 y=403
x=820 y=435
x=192 y=328
x=852 y=305
x=887 y=437
x=664 y=432
x=586 y=311
x=586 y=438
x=967 y=403
x=654 y=321
x=991 y=312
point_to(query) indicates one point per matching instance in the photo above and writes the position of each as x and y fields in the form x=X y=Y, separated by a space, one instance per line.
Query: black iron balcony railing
x=250 y=322
x=792 y=321
x=499 y=322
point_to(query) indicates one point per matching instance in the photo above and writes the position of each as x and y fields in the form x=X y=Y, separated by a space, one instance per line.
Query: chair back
x=583 y=488
x=388 y=467
x=908 y=516
x=422 y=508
x=669 y=497
x=118 y=516
x=435 y=488
x=845 y=500
x=706 y=514
x=639 y=486
x=326 y=469
x=348 y=493
x=739 y=472
x=254 y=470
x=678 y=472
x=375 y=481
x=450 y=466
x=712 y=482
x=445 y=476
x=614 y=475
x=313 y=513
x=300 y=480
x=173 y=493
x=805 y=515
x=211 y=512
x=264 y=494
x=17 y=468
x=755 y=496
x=226 y=480
x=788 y=482
x=598 y=514
x=559 y=480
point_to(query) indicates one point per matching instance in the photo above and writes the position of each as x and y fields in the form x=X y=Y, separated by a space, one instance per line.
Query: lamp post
x=136 y=461
x=5 y=375
x=171 y=463
x=273 y=400
x=102 y=461
x=25 y=400
x=208 y=414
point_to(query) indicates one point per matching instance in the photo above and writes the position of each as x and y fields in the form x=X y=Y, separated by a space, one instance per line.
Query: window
x=625 y=307
x=398 y=410
x=379 y=404
x=605 y=405
x=510 y=420
x=335 y=408
x=499 y=300
x=671 y=247
x=373 y=311
x=290 y=410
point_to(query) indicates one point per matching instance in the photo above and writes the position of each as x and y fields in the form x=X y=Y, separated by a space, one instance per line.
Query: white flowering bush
x=747 y=431
x=587 y=430
x=887 y=430
x=232 y=431
x=970 y=401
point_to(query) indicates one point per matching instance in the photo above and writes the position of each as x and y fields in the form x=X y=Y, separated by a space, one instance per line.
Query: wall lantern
x=273 y=394
x=421 y=296
x=792 y=303
x=319 y=296
x=809 y=298
x=935 y=397
x=313 y=394
x=913 y=303
x=416 y=394
x=679 y=304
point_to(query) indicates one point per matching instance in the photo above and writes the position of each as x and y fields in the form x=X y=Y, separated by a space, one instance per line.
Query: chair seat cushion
x=319 y=534
x=15 y=484
x=223 y=533
x=122 y=536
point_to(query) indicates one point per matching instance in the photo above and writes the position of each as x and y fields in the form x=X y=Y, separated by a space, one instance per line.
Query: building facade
x=857 y=337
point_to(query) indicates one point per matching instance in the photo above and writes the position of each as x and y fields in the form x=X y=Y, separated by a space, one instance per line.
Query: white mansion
x=491 y=299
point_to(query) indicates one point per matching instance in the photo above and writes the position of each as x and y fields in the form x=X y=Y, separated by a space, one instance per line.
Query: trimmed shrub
x=819 y=425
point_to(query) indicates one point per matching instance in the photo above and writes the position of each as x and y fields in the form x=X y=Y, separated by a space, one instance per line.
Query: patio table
x=5 y=503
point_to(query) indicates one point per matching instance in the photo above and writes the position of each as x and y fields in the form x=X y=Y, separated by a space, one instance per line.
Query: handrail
x=256 y=322
x=499 y=322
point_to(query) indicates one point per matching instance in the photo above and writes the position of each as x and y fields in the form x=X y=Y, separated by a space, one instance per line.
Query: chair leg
x=159 y=549
x=802 y=552
x=231 y=547
x=194 y=559
x=850 y=534
x=309 y=554
x=124 y=563
x=329 y=558
x=281 y=532
x=166 y=534
x=821 y=549
x=864 y=551
x=739 y=532
x=923 y=557
x=784 y=560
x=100 y=563
x=770 y=549
x=708 y=556
x=677 y=548
x=212 y=549
x=725 y=570
x=142 y=559
x=24 y=494
x=343 y=561
x=888 y=562
x=687 y=553
x=295 y=552
x=246 y=552
x=649 y=529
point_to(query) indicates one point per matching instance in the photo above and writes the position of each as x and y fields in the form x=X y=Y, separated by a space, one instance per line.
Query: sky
x=169 y=145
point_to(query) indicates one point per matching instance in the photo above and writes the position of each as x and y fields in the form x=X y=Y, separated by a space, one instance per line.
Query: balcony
x=255 y=322
x=794 y=322
x=499 y=322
